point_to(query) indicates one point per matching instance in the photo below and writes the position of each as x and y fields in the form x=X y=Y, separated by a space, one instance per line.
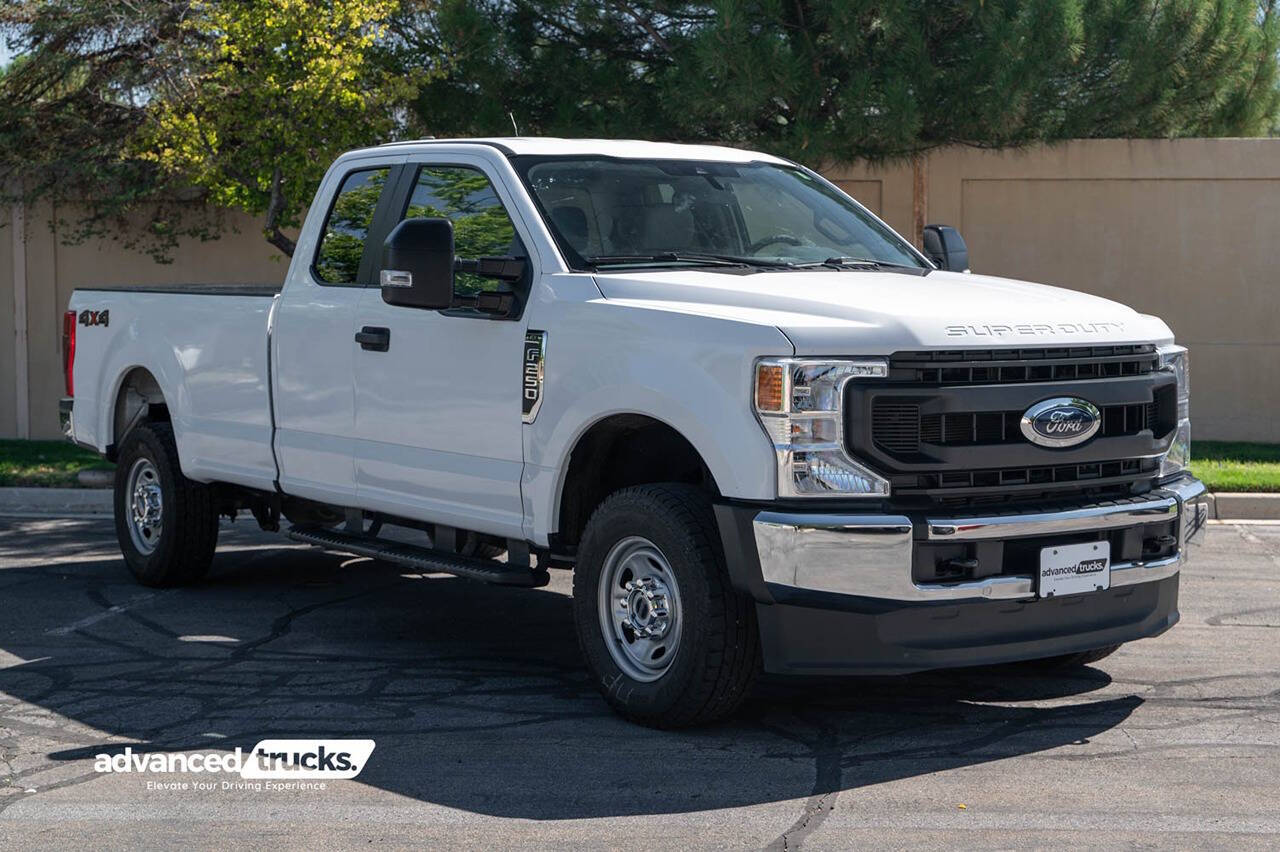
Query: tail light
x=69 y=350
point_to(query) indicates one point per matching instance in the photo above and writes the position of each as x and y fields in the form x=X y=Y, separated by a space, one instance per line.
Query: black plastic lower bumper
x=836 y=634
x=836 y=593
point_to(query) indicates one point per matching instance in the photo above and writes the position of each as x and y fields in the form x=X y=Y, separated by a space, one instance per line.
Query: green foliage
x=146 y=106
x=275 y=90
x=45 y=463
x=149 y=109
x=1236 y=466
x=72 y=104
x=837 y=80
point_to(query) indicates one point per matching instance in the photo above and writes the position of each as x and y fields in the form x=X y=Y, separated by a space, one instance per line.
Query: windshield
x=612 y=212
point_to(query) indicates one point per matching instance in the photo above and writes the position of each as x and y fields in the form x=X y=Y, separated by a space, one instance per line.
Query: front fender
x=688 y=371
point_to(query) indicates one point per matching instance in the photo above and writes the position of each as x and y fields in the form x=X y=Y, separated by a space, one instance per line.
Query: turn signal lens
x=769 y=383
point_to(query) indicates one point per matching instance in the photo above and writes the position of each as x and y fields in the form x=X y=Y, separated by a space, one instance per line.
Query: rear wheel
x=669 y=641
x=167 y=525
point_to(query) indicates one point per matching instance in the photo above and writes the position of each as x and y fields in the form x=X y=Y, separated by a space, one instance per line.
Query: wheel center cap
x=146 y=504
x=647 y=604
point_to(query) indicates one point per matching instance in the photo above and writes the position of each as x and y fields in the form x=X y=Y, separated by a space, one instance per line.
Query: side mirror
x=945 y=247
x=417 y=264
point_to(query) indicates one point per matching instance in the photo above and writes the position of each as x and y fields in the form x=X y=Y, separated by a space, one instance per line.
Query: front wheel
x=669 y=641
x=167 y=525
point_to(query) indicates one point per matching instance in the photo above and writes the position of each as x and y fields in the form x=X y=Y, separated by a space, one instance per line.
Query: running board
x=421 y=558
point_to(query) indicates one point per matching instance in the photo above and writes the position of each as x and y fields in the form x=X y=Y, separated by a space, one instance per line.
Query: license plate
x=1072 y=569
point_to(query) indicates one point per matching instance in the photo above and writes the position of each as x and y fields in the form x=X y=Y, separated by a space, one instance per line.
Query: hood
x=848 y=312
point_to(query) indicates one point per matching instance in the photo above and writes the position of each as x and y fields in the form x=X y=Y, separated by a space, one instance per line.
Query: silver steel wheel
x=146 y=505
x=639 y=607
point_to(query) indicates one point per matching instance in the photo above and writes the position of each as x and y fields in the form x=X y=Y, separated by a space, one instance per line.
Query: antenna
x=514 y=126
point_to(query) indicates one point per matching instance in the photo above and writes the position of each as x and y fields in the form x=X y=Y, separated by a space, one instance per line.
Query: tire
x=1073 y=661
x=704 y=664
x=173 y=541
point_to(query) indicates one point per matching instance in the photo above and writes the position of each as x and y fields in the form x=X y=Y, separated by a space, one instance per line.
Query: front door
x=311 y=339
x=438 y=413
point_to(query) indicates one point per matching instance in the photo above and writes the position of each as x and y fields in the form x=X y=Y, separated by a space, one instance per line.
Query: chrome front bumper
x=871 y=555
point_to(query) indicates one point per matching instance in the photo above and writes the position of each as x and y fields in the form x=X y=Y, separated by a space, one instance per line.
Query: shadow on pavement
x=474 y=694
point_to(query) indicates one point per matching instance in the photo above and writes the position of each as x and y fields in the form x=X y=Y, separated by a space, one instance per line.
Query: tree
x=833 y=80
x=245 y=101
x=571 y=67
x=74 y=100
x=168 y=105
x=273 y=90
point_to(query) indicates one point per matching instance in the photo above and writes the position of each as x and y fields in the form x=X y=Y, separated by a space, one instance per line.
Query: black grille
x=899 y=429
x=896 y=426
x=1031 y=475
x=1021 y=486
x=945 y=427
x=1005 y=366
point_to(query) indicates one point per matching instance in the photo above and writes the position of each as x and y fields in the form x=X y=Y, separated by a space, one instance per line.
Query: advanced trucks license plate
x=1072 y=569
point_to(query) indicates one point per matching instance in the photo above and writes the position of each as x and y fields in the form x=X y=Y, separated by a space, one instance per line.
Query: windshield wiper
x=860 y=263
x=701 y=258
x=746 y=260
x=660 y=258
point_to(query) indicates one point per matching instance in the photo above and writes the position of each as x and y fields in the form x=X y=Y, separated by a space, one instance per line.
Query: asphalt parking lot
x=488 y=733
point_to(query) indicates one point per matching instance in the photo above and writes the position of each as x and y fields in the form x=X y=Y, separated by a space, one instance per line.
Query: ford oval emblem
x=1061 y=422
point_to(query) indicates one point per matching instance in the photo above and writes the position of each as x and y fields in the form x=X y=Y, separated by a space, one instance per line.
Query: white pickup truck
x=764 y=431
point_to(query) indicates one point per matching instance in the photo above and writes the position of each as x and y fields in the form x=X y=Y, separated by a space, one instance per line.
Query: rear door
x=313 y=343
x=438 y=413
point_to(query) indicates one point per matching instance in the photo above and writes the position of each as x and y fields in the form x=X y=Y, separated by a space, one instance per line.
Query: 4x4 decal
x=95 y=317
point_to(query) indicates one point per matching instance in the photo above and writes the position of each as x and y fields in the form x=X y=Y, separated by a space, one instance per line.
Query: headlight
x=798 y=401
x=1177 y=360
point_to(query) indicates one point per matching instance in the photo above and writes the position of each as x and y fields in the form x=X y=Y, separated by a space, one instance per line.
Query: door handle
x=374 y=338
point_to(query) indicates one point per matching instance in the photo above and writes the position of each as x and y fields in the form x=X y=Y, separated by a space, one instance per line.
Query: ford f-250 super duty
x=765 y=432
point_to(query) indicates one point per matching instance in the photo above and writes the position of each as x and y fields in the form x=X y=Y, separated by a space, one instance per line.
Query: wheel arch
x=136 y=397
x=616 y=451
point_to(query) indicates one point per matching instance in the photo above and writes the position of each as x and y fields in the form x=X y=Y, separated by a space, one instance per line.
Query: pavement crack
x=828 y=774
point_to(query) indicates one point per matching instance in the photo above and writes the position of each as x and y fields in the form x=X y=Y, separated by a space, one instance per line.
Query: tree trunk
x=919 y=197
x=278 y=239
x=275 y=208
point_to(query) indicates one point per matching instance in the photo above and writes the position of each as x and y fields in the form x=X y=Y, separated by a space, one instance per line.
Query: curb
x=96 y=478
x=1243 y=505
x=56 y=501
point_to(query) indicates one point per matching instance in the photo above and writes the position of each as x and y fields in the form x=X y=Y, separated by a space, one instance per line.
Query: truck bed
x=265 y=290
x=209 y=358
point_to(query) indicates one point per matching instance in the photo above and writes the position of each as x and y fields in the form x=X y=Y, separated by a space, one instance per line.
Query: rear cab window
x=346 y=228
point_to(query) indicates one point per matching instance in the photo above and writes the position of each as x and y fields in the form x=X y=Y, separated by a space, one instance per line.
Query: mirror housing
x=417 y=264
x=946 y=248
x=504 y=268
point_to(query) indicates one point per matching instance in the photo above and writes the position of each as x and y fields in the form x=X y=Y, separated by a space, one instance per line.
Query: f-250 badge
x=535 y=353
x=95 y=318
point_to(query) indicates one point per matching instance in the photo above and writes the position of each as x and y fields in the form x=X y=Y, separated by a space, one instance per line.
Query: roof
x=547 y=146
